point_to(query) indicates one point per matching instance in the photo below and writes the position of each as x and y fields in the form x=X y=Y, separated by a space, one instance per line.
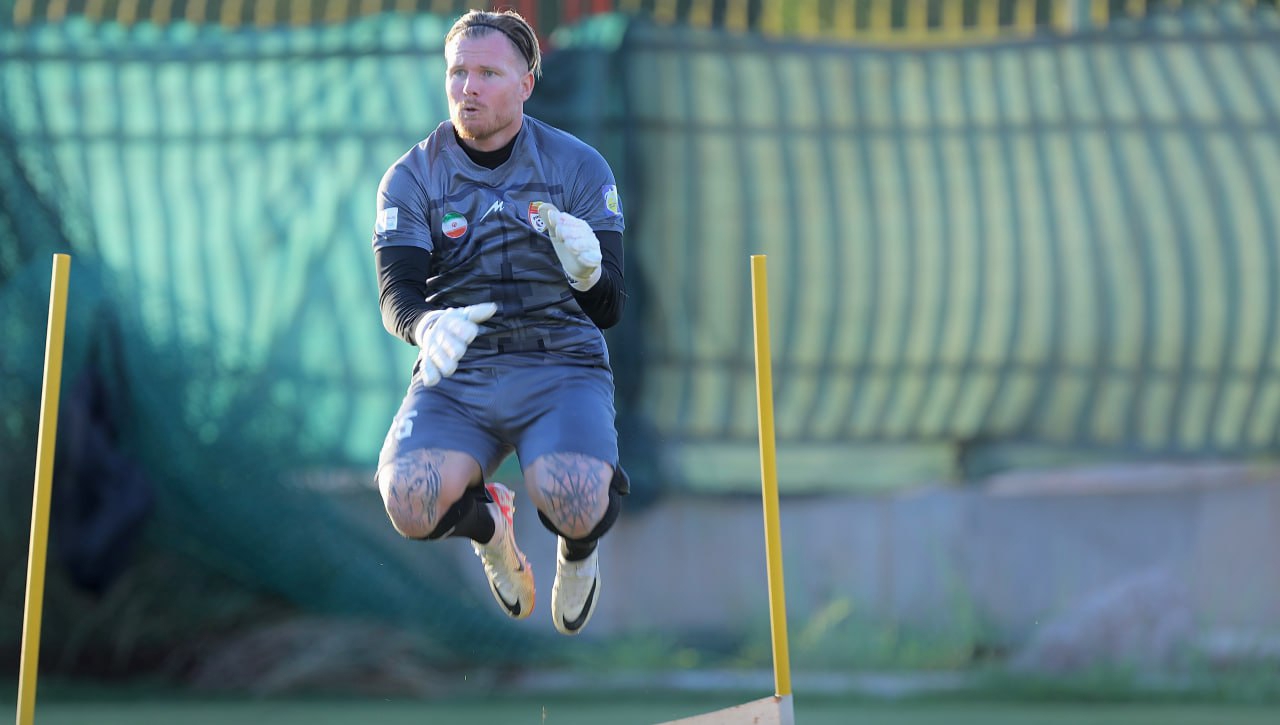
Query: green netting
x=221 y=185
x=1066 y=243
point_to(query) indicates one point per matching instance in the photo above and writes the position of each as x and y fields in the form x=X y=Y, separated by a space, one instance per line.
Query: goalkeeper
x=498 y=248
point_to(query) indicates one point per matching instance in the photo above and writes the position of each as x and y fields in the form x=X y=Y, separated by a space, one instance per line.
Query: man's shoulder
x=548 y=136
x=419 y=157
x=429 y=145
x=438 y=138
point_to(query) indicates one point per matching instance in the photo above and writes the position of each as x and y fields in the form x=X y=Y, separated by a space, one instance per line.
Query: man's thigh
x=453 y=415
x=560 y=409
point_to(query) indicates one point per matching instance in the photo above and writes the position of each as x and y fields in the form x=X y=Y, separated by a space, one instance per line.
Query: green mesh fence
x=216 y=191
x=1063 y=245
x=1068 y=244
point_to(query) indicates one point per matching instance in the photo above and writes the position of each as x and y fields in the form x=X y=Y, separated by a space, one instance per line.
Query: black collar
x=488 y=159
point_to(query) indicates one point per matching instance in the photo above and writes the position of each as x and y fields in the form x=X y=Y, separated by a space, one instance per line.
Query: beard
x=479 y=127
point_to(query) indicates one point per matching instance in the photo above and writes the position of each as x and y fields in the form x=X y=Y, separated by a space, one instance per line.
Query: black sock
x=474 y=521
x=578 y=550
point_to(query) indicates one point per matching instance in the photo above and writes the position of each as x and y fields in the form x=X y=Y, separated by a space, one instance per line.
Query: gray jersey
x=488 y=243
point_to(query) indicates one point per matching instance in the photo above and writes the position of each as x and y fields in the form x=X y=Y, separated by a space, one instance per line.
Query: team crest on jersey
x=535 y=219
x=611 y=200
x=453 y=225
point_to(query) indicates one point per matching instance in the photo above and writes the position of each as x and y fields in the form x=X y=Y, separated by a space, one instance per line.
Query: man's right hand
x=443 y=337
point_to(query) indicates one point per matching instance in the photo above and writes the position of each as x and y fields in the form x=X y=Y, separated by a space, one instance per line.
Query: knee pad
x=619 y=486
x=472 y=497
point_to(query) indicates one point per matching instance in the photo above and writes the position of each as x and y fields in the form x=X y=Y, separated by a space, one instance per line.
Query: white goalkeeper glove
x=576 y=246
x=443 y=336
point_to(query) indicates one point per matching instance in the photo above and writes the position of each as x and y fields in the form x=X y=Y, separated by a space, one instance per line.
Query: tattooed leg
x=420 y=486
x=570 y=489
x=574 y=498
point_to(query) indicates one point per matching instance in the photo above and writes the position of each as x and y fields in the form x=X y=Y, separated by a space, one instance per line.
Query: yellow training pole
x=768 y=471
x=776 y=710
x=44 y=482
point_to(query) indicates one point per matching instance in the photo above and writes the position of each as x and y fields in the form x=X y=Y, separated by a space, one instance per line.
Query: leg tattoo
x=576 y=489
x=413 y=493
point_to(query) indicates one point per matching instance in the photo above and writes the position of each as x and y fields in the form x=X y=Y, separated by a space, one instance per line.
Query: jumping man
x=498 y=247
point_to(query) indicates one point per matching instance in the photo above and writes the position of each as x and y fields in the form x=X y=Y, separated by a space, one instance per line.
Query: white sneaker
x=576 y=591
x=510 y=576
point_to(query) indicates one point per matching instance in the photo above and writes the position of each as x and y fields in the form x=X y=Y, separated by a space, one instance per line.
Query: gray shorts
x=490 y=412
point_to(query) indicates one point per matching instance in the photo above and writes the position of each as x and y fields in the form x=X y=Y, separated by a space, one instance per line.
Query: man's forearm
x=604 y=302
x=402 y=288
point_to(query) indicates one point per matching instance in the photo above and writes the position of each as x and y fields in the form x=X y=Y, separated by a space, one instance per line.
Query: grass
x=637 y=709
x=993 y=699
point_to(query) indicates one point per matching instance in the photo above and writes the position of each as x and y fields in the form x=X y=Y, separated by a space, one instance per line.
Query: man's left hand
x=576 y=246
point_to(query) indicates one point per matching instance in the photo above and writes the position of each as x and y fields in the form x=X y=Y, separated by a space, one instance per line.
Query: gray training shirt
x=488 y=243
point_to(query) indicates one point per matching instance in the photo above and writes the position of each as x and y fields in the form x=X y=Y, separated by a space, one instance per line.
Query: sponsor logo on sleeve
x=453 y=225
x=611 y=200
x=387 y=219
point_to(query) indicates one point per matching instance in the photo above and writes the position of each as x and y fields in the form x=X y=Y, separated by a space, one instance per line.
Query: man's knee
x=418 y=490
x=590 y=531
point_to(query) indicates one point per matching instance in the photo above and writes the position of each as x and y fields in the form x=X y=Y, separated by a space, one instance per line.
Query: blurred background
x=1023 y=262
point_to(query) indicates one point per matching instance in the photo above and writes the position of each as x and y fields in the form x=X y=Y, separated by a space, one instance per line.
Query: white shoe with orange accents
x=509 y=572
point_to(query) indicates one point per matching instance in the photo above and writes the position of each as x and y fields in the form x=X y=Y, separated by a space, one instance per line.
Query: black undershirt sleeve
x=402 y=286
x=604 y=302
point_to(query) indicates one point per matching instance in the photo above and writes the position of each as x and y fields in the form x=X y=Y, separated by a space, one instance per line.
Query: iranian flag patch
x=453 y=225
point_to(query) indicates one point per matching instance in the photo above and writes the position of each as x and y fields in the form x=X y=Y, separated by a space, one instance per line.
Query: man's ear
x=526 y=85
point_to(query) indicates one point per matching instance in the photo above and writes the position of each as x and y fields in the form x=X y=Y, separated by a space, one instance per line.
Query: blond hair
x=509 y=23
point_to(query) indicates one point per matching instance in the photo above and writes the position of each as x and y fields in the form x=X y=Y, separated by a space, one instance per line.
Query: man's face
x=488 y=82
